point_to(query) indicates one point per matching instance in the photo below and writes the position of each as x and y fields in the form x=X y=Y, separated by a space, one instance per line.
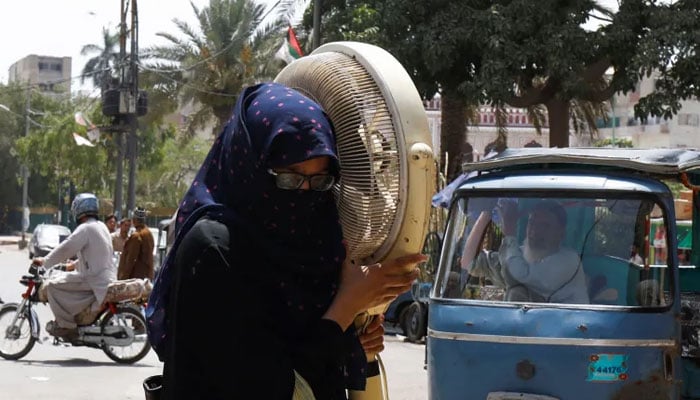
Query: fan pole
x=375 y=386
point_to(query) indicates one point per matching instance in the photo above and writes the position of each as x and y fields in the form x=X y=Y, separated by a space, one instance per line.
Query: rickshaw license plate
x=518 y=396
x=607 y=368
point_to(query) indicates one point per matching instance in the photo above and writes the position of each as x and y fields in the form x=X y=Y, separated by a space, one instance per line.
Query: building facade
x=50 y=75
x=521 y=131
x=683 y=130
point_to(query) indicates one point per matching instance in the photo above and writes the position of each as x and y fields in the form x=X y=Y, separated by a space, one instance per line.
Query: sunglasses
x=293 y=181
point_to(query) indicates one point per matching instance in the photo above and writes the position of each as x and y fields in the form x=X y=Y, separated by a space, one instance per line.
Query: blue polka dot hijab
x=297 y=233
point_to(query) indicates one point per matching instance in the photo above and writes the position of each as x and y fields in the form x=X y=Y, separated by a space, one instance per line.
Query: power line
x=162 y=75
x=25 y=87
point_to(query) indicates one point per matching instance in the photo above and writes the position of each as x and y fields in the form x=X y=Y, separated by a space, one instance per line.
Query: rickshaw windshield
x=565 y=250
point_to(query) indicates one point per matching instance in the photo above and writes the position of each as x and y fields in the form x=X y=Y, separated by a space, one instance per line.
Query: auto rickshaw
x=587 y=314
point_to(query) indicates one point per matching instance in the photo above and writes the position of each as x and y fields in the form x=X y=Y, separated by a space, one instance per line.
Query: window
x=43 y=66
x=560 y=250
x=688 y=119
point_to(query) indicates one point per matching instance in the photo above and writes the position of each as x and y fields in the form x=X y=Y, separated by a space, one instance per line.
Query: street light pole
x=25 y=176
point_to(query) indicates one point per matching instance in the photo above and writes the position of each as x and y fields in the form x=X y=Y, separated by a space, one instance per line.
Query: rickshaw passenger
x=541 y=270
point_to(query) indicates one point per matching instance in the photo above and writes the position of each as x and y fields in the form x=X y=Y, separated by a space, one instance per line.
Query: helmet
x=84 y=204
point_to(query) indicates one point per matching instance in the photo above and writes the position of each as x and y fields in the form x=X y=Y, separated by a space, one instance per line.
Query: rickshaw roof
x=654 y=161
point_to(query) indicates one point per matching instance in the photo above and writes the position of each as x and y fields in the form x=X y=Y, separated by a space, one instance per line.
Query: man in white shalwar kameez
x=542 y=269
x=85 y=286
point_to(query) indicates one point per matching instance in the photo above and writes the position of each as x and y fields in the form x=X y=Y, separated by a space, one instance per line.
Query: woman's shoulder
x=207 y=239
x=207 y=232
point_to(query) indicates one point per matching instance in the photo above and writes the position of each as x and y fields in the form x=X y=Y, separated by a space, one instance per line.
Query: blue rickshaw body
x=618 y=345
x=483 y=349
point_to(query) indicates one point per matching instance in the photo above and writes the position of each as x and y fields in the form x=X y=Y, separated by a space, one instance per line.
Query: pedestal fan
x=387 y=163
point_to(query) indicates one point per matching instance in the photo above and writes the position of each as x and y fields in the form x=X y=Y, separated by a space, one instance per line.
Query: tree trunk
x=558 y=117
x=222 y=114
x=453 y=134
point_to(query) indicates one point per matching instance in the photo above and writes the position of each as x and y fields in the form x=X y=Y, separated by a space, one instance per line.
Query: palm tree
x=99 y=68
x=209 y=66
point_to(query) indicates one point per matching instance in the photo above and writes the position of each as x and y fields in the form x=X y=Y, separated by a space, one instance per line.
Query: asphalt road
x=78 y=373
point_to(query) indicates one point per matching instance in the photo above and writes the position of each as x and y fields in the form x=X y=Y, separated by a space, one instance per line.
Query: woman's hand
x=372 y=339
x=365 y=286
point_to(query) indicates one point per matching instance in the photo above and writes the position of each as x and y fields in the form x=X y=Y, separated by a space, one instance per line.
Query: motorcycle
x=119 y=329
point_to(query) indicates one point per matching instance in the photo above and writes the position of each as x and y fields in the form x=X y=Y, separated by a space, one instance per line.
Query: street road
x=79 y=373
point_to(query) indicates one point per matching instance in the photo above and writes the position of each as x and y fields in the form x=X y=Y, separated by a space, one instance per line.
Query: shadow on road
x=72 y=362
x=79 y=362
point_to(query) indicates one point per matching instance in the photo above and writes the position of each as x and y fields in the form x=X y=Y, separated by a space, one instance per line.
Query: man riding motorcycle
x=85 y=286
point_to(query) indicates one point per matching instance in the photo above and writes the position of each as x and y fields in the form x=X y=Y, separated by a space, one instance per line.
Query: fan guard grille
x=369 y=192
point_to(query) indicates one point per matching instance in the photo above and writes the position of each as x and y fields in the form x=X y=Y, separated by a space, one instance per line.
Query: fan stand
x=376 y=386
x=384 y=145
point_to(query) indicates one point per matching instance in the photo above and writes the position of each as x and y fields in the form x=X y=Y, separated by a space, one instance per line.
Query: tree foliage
x=208 y=65
x=346 y=20
x=54 y=158
x=523 y=53
x=672 y=54
x=166 y=182
x=51 y=152
x=11 y=128
x=101 y=68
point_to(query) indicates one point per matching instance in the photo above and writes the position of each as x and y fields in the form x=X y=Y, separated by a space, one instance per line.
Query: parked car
x=45 y=238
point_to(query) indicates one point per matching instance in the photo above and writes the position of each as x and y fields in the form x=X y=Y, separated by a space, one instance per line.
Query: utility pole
x=118 y=134
x=133 y=121
x=316 y=35
x=25 y=174
x=125 y=103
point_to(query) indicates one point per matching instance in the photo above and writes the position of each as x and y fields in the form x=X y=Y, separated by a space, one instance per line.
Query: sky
x=62 y=27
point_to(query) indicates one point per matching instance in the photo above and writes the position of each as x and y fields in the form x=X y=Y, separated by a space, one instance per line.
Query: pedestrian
x=136 y=260
x=119 y=238
x=659 y=243
x=111 y=222
x=259 y=243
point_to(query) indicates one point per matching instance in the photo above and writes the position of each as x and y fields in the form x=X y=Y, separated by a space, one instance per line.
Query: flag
x=290 y=49
x=81 y=141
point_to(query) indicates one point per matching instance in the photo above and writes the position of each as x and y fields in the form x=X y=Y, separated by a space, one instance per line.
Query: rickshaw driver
x=541 y=270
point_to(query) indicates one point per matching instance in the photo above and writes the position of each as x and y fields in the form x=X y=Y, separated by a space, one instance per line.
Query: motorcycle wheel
x=16 y=341
x=133 y=318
